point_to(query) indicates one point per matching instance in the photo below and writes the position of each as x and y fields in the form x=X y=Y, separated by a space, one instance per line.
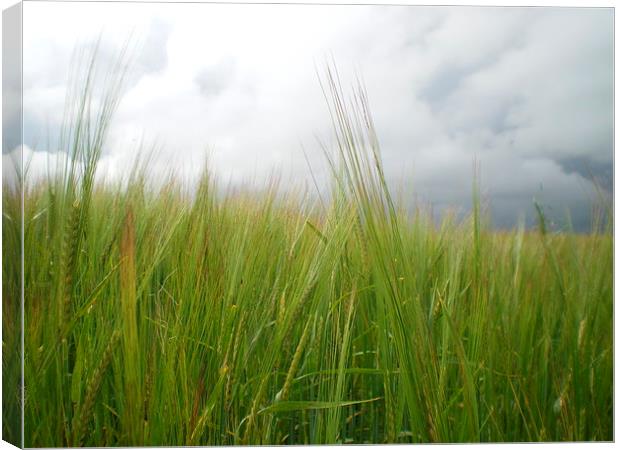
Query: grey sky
x=527 y=92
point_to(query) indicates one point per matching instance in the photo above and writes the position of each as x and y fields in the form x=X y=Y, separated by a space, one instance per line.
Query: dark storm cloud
x=537 y=110
x=599 y=171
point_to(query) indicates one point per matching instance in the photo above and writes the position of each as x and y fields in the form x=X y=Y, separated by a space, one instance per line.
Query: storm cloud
x=526 y=93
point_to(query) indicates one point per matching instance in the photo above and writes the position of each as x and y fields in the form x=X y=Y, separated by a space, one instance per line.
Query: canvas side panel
x=12 y=213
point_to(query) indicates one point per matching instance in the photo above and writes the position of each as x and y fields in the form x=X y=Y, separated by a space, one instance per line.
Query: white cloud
x=522 y=89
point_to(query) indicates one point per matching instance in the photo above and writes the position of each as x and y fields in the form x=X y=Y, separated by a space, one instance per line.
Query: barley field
x=170 y=316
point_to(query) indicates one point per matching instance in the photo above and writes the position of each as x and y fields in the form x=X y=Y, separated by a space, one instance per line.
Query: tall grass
x=154 y=317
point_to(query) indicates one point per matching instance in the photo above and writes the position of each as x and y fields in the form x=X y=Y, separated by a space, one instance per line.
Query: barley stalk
x=231 y=373
x=133 y=408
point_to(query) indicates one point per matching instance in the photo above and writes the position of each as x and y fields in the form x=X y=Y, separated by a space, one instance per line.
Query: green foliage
x=158 y=318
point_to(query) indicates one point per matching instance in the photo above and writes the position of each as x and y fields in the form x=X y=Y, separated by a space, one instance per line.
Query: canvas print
x=246 y=224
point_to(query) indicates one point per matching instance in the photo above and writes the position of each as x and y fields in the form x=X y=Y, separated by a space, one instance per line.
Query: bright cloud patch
x=525 y=92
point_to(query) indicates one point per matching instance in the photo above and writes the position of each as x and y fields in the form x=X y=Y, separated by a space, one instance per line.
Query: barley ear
x=69 y=254
x=86 y=410
x=284 y=392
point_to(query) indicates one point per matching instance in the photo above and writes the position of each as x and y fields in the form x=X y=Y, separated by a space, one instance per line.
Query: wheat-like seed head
x=86 y=410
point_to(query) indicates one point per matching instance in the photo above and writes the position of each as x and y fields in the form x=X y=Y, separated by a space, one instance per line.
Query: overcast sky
x=527 y=92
